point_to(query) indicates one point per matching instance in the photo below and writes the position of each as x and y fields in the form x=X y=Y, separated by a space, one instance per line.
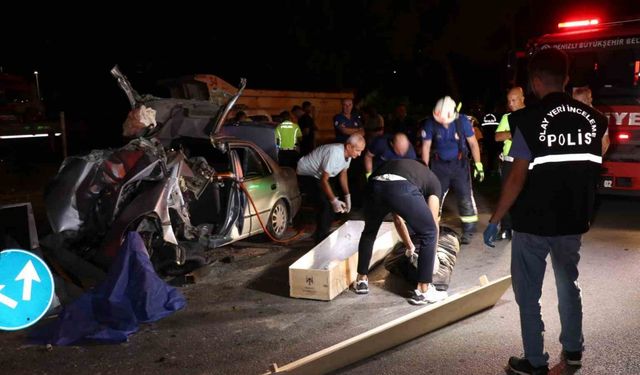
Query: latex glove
x=490 y=234
x=409 y=252
x=478 y=171
x=338 y=205
x=413 y=256
x=347 y=199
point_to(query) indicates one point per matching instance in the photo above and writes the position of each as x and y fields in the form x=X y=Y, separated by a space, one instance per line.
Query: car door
x=259 y=182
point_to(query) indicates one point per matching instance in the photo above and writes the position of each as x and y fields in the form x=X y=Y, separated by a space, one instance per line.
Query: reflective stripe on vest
x=565 y=157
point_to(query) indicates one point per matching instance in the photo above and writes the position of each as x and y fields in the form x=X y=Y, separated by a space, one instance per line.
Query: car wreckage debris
x=175 y=184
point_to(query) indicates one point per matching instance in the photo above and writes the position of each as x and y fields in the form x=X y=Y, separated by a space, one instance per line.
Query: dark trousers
x=357 y=181
x=505 y=223
x=324 y=210
x=324 y=216
x=455 y=174
x=404 y=199
x=288 y=158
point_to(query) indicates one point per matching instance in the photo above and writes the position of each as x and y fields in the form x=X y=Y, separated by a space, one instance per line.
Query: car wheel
x=278 y=220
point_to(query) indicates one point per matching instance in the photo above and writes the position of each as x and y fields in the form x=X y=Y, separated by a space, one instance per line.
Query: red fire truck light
x=623 y=136
x=580 y=23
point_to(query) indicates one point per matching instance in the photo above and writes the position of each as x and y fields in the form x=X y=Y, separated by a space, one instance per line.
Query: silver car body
x=179 y=182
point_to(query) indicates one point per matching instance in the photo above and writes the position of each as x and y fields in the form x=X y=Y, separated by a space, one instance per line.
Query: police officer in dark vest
x=557 y=153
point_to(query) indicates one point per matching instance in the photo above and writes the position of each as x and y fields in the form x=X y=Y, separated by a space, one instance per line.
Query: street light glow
x=35 y=72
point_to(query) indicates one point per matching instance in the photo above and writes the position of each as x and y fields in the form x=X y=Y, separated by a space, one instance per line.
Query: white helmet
x=445 y=110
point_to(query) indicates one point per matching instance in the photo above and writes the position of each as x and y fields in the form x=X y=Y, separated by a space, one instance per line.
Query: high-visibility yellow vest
x=287 y=135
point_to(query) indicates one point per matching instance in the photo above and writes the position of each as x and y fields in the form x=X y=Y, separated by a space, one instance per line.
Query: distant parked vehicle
x=25 y=128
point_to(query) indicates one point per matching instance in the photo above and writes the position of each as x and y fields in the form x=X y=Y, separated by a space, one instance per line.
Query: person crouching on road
x=409 y=189
x=387 y=147
x=450 y=134
x=384 y=148
x=320 y=165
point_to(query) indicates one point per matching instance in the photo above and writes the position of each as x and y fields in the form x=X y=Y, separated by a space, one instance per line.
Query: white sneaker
x=430 y=296
x=361 y=286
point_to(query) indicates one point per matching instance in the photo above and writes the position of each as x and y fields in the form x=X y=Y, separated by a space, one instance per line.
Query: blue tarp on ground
x=131 y=294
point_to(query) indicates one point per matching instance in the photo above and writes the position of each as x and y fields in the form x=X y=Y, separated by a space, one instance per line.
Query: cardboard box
x=330 y=267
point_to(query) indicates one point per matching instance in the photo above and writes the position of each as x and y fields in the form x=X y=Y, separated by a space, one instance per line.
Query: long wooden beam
x=400 y=330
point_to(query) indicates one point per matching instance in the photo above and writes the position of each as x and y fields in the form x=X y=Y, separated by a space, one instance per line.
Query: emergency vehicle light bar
x=580 y=23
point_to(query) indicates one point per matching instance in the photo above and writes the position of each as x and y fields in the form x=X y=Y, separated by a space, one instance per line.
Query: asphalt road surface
x=239 y=319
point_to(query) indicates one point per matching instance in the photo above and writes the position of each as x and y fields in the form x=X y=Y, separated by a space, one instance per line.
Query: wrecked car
x=179 y=183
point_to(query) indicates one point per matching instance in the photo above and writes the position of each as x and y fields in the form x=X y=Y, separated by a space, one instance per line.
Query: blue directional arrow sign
x=26 y=289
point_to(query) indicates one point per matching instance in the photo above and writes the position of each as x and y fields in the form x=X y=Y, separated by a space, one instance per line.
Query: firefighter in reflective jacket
x=288 y=135
x=448 y=132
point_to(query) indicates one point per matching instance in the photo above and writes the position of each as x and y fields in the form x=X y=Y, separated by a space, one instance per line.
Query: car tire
x=278 y=221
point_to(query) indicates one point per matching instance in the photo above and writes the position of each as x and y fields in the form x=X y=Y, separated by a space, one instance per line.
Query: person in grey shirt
x=318 y=168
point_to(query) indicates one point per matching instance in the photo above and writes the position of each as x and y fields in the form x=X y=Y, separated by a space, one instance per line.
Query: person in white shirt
x=318 y=168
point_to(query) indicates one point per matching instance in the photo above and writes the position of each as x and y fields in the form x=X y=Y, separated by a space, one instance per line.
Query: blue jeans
x=528 y=264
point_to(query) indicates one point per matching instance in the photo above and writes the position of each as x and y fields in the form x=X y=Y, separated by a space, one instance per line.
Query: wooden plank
x=399 y=331
x=305 y=95
x=484 y=280
x=214 y=82
x=326 y=107
x=327 y=104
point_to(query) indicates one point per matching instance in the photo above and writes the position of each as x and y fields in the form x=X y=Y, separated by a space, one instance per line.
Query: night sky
x=383 y=50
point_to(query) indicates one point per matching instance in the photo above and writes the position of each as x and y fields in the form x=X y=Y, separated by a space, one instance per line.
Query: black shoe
x=523 y=367
x=504 y=235
x=572 y=358
x=465 y=239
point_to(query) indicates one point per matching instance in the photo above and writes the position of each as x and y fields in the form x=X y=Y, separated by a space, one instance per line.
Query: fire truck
x=605 y=56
